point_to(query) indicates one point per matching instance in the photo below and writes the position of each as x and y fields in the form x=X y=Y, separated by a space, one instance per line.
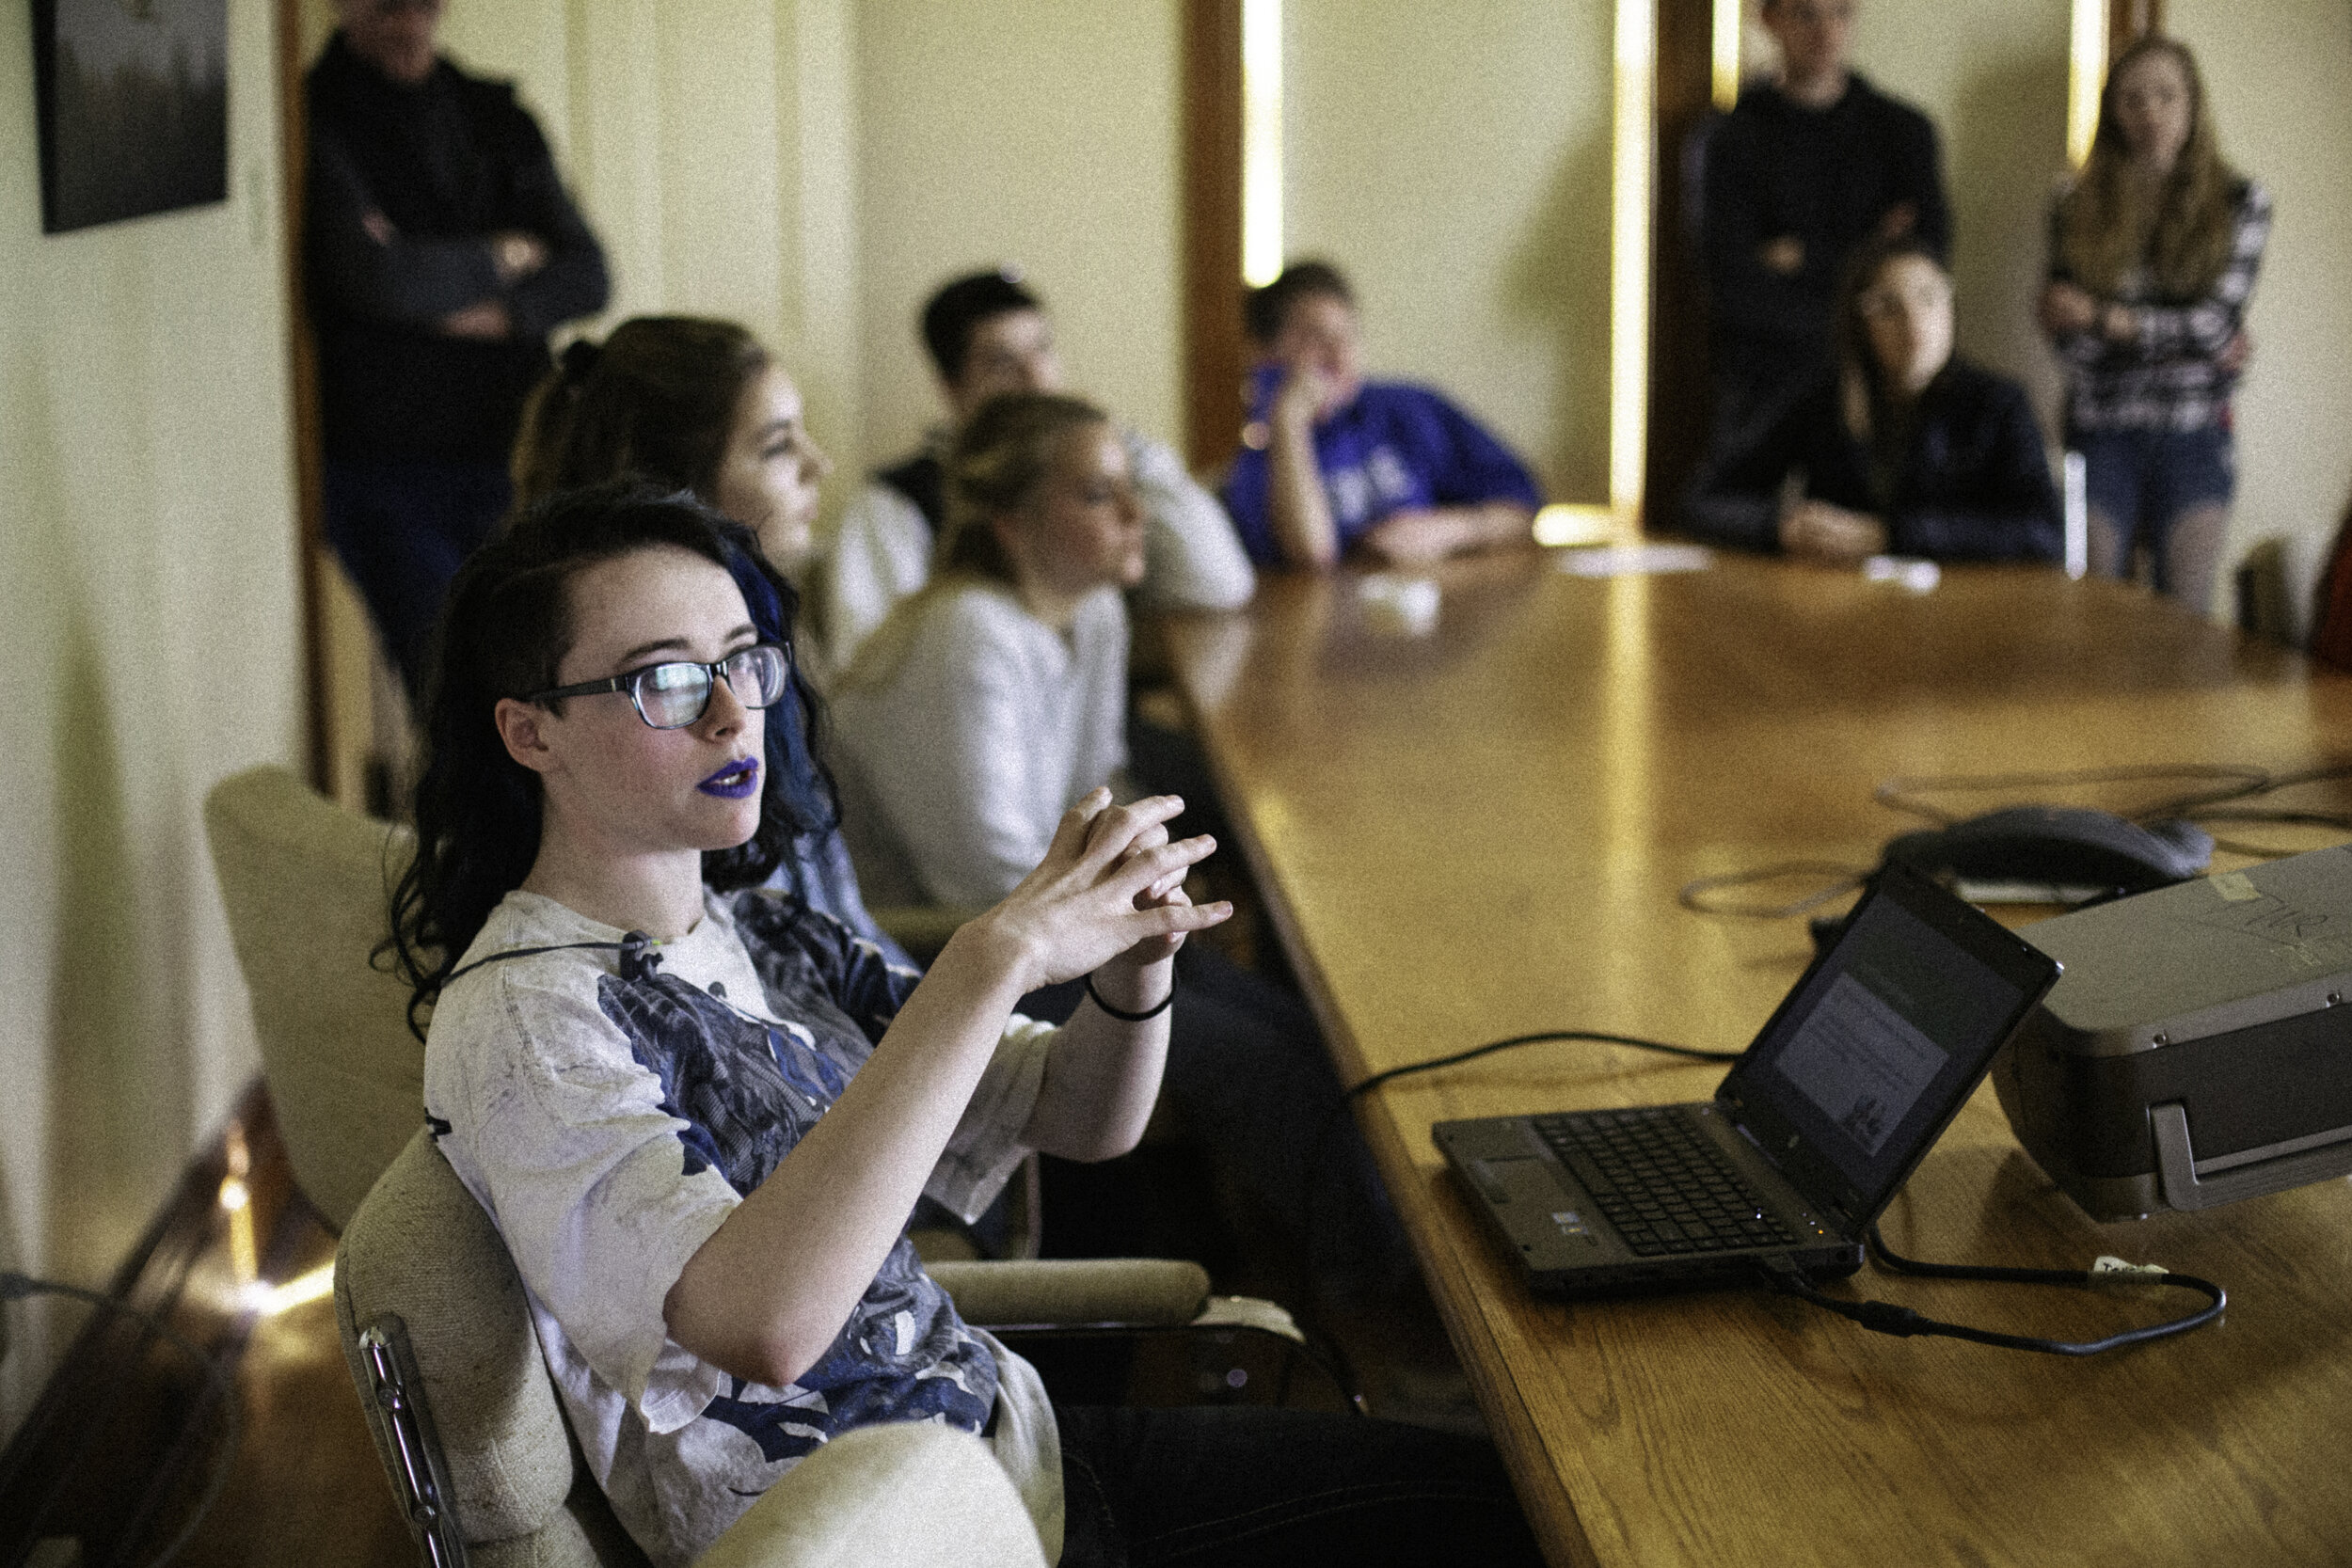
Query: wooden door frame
x=303 y=396
x=1679 y=393
x=1216 y=359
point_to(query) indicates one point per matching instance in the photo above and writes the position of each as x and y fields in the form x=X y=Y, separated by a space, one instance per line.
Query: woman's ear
x=519 y=726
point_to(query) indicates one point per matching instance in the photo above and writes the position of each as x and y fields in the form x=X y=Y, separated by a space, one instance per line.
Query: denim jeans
x=1241 y=1486
x=402 y=529
x=2140 y=485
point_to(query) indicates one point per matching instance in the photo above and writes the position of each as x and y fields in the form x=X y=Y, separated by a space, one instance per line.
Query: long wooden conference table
x=1480 y=831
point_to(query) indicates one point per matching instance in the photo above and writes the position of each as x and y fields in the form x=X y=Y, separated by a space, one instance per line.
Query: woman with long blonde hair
x=991 y=700
x=2153 y=255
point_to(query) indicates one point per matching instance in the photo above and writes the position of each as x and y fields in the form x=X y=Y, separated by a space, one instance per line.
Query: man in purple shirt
x=1331 y=463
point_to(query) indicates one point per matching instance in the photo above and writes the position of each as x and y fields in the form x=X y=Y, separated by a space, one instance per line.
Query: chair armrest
x=910 y=1494
x=1251 y=1312
x=1128 y=1293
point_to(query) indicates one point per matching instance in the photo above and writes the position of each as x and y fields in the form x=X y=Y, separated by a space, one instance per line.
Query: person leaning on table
x=1331 y=463
x=1904 y=449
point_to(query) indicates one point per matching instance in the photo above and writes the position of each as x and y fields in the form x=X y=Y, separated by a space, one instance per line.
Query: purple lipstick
x=733 y=782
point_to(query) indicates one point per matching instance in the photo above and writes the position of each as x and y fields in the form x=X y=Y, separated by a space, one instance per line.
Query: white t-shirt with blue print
x=608 y=1126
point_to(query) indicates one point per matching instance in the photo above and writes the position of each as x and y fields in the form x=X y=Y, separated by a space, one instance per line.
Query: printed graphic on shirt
x=1379 y=486
x=749 y=1090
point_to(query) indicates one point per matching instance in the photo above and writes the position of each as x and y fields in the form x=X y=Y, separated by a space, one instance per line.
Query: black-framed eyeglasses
x=677 y=692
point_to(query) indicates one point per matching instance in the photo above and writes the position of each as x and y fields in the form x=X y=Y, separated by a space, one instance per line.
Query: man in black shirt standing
x=440 y=250
x=1802 y=172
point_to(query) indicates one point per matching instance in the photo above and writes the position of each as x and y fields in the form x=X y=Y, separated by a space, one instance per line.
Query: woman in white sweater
x=991 y=700
x=995 y=696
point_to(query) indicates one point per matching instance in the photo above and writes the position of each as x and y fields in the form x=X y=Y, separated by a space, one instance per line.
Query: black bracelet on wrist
x=1122 y=1014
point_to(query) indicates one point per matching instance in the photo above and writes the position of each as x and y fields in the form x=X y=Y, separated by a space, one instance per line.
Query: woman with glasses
x=1904 y=450
x=693 y=403
x=700 y=1115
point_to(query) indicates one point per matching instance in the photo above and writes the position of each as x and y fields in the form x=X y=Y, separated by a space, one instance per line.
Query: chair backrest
x=2331 y=618
x=422 y=1248
x=305 y=884
x=419 y=1247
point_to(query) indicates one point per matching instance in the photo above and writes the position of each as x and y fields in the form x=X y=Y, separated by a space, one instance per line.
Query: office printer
x=2197 y=1048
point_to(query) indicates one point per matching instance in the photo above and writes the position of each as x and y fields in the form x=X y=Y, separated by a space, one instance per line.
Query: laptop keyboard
x=1660 y=1183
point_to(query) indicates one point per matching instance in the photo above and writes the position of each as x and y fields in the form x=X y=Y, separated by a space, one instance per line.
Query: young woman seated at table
x=691 y=403
x=987 y=703
x=700 y=1115
x=1905 y=450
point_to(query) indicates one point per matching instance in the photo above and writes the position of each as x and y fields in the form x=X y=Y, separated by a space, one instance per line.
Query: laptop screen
x=1881 y=1042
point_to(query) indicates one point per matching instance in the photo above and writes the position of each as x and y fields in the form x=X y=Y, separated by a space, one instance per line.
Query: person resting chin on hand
x=1333 y=464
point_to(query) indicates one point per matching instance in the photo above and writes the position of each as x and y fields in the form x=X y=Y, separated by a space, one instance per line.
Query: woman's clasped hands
x=1108 y=895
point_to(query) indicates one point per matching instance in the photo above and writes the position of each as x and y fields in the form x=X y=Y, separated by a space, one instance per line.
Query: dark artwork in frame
x=133 y=107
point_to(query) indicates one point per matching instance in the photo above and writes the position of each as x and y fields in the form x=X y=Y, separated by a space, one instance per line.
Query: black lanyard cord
x=638 y=951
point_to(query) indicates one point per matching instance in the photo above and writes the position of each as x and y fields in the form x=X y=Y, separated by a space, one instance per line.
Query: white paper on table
x=1620 y=561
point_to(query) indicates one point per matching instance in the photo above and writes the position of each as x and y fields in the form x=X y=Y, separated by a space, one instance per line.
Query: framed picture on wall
x=134 y=100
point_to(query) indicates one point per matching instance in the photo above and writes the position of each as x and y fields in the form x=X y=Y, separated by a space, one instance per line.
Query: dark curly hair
x=503 y=632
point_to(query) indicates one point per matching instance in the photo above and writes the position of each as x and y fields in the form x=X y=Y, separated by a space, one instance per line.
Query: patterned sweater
x=610 y=1124
x=2176 y=374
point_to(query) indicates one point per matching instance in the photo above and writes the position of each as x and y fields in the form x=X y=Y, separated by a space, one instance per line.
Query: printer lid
x=2222 y=952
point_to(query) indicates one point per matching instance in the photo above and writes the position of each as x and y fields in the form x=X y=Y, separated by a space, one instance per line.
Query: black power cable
x=1882 y=1317
x=217 y=1380
x=1540 y=1037
x=1839 y=879
x=2233 y=782
x=1879 y=1316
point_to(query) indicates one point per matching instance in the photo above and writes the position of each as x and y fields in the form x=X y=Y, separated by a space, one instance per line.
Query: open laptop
x=1808 y=1137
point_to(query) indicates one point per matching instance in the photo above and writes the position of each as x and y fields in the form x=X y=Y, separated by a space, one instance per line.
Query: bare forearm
x=1492 y=524
x=768 y=1293
x=1295 y=504
x=1422 y=538
x=765 y=1296
x=1103 y=1074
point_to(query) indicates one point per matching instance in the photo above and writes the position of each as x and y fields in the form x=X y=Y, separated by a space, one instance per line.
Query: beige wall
x=1044 y=135
x=150 y=636
x=1455 y=162
x=713 y=147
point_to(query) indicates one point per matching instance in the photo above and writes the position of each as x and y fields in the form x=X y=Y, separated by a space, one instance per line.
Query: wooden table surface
x=1481 y=831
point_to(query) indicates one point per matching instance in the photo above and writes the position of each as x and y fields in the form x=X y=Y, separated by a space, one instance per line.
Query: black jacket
x=446 y=163
x=1974 y=484
x=1827 y=176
